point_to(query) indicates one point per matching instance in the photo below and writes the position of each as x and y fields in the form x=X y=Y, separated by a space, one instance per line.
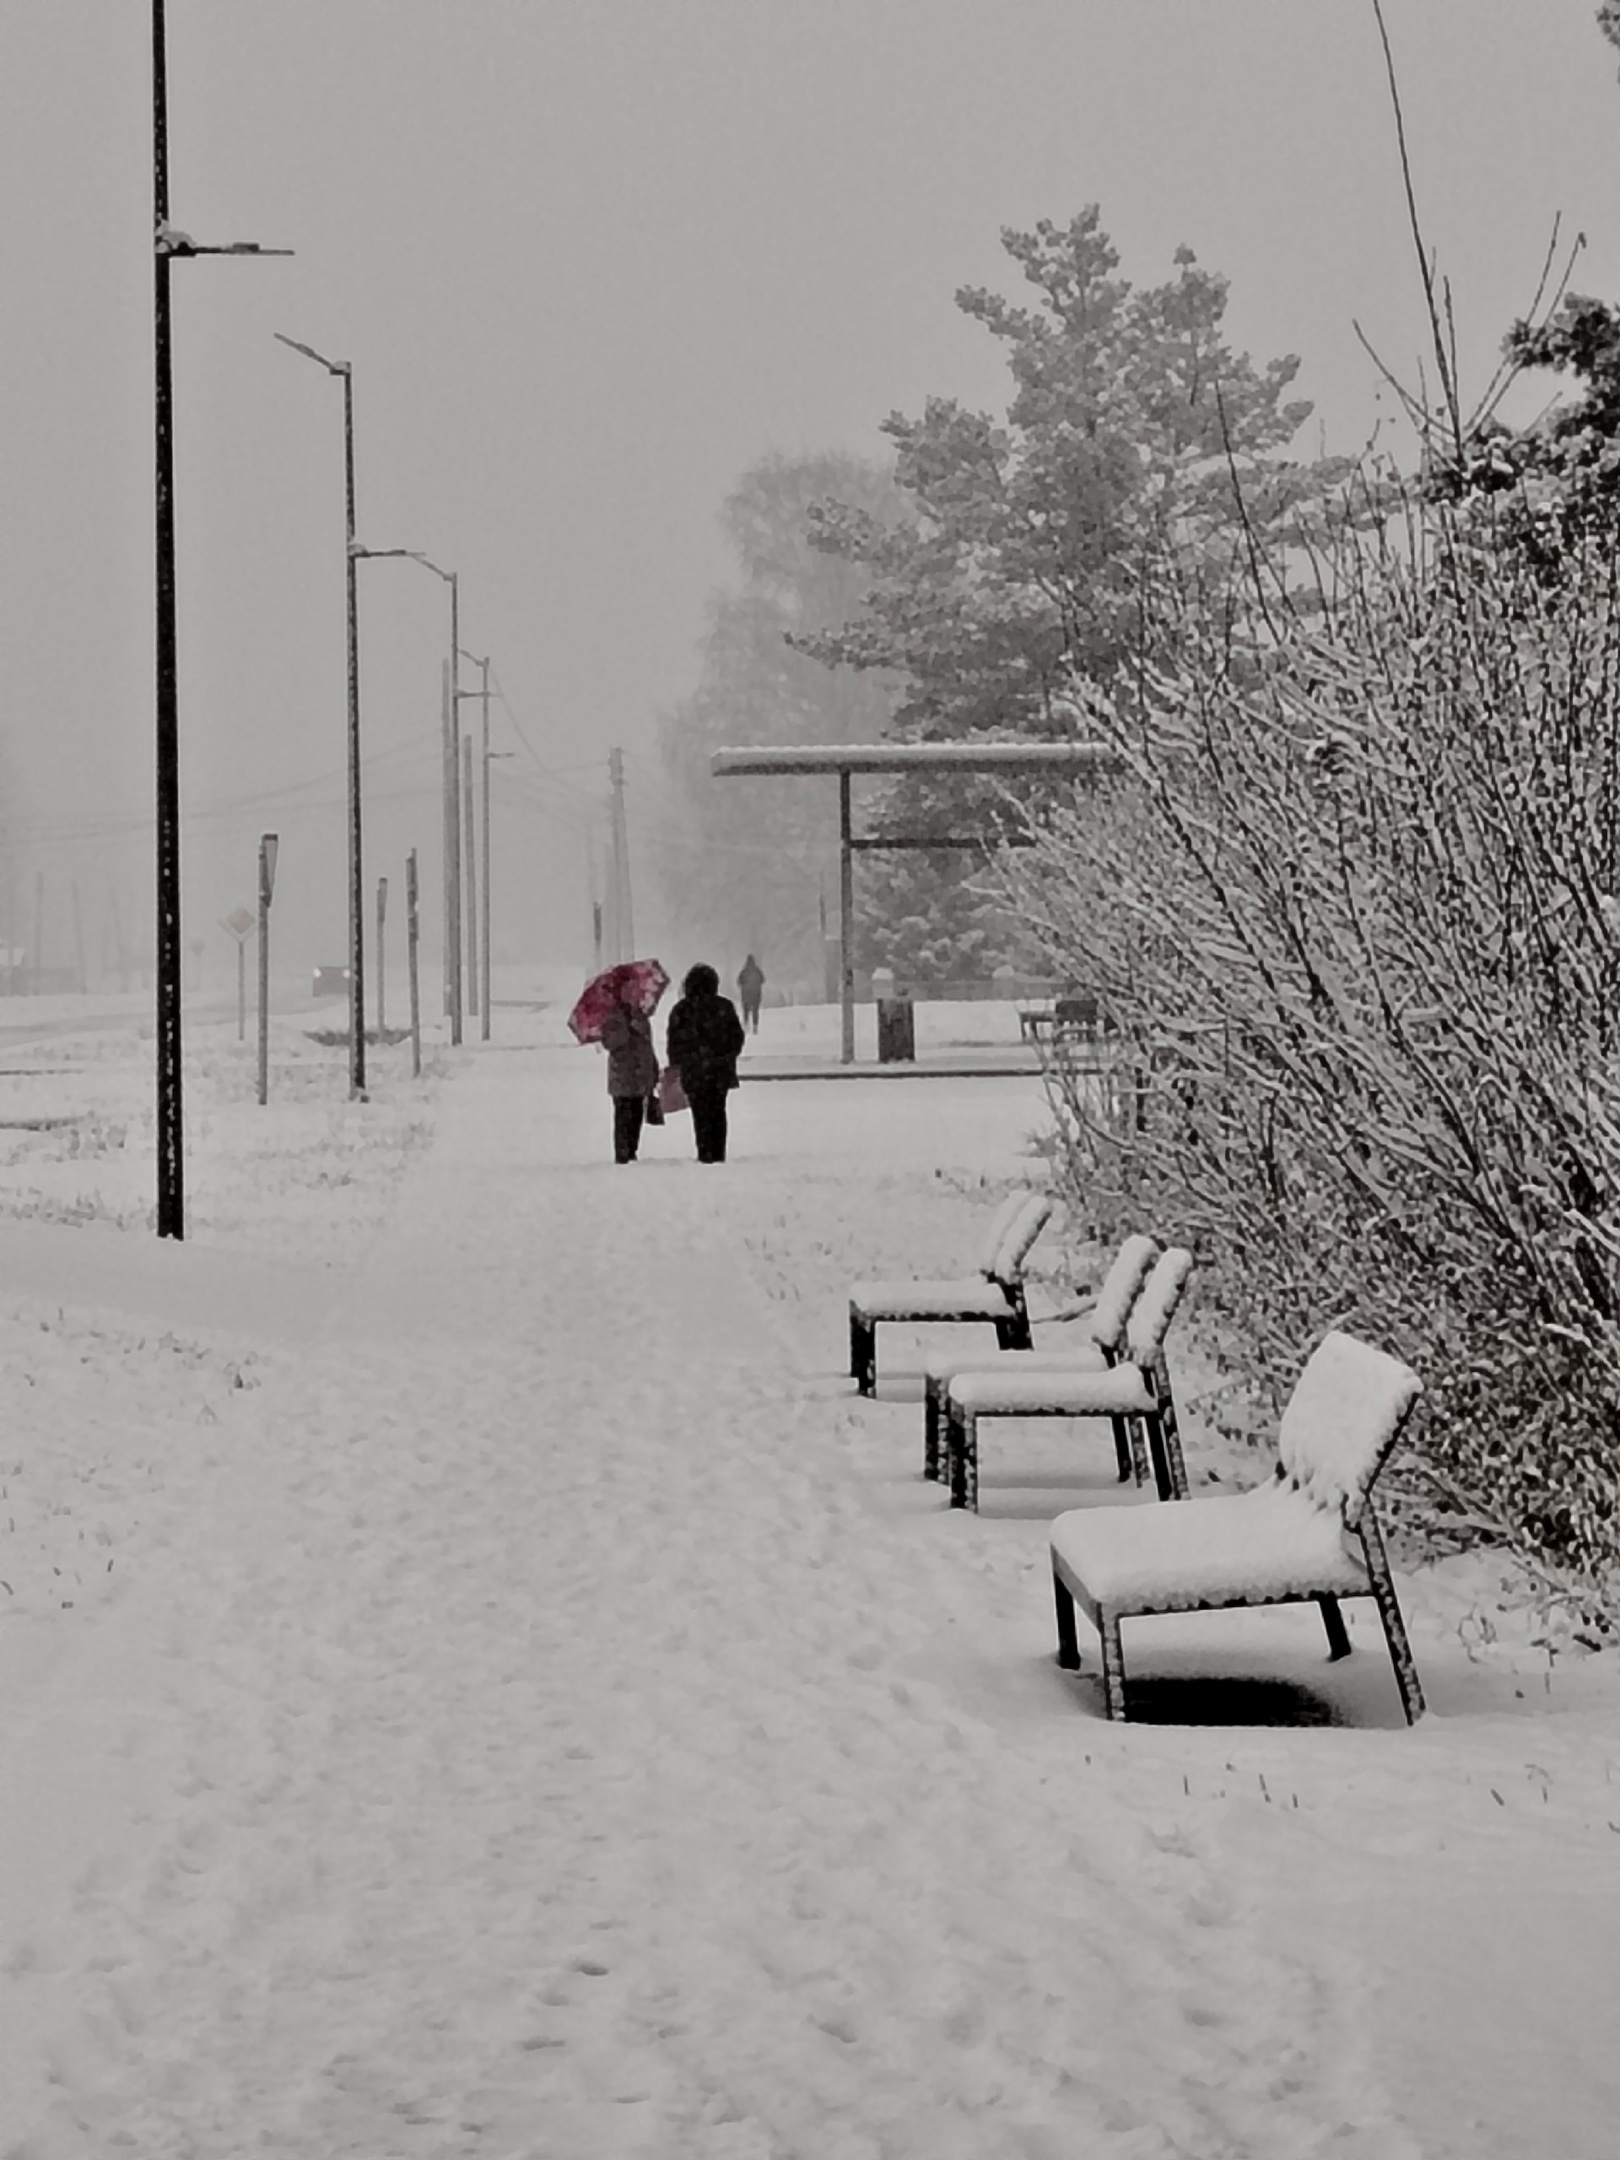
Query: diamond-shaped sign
x=239 y=922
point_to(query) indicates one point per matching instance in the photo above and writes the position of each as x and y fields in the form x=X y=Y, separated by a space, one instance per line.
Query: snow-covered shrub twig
x=1351 y=905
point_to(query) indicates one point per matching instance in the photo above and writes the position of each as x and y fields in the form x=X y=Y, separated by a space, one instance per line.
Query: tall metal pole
x=412 y=931
x=624 y=928
x=447 y=767
x=467 y=808
x=267 y=884
x=166 y=244
x=352 y=552
x=357 y=883
x=457 y=1004
x=846 y=922
x=170 y=1146
x=483 y=1021
x=382 y=969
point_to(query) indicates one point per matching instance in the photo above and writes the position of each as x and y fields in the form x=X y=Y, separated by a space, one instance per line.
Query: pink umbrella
x=640 y=983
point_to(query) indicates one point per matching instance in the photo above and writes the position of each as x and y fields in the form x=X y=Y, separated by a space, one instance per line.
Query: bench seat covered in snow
x=1096 y=1341
x=1308 y=1535
x=1136 y=1394
x=994 y=1296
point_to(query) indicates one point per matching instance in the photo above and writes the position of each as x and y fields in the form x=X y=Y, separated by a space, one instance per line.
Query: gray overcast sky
x=590 y=258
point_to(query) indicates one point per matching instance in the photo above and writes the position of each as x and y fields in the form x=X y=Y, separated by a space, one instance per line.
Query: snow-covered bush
x=1350 y=904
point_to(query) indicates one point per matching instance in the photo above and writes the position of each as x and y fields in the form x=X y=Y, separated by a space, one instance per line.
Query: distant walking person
x=750 y=983
x=705 y=1037
x=632 y=1074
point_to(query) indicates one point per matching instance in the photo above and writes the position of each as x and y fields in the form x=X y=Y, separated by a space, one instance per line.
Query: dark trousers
x=708 y=1122
x=628 y=1112
x=750 y=1013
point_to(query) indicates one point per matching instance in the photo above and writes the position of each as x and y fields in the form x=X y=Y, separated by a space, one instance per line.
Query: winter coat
x=705 y=1034
x=751 y=980
x=632 y=1055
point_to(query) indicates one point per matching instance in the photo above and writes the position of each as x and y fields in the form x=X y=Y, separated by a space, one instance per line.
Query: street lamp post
x=357 y=943
x=452 y=806
x=168 y=243
x=452 y=784
x=483 y=890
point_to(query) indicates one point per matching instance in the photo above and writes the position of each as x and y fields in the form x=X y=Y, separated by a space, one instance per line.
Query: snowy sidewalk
x=563 y=1725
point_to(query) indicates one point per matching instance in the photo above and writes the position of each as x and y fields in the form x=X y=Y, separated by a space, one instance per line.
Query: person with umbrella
x=615 y=1009
x=705 y=1037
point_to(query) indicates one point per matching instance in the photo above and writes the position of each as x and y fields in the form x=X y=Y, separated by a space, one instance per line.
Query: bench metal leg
x=962 y=1438
x=1012 y=1332
x=1333 y=1621
x=1113 y=1664
x=932 y=1390
x=1163 y=1483
x=1068 y=1654
x=863 y=1353
x=1175 y=1463
x=1139 y=1460
x=1122 y=1449
x=1389 y=1611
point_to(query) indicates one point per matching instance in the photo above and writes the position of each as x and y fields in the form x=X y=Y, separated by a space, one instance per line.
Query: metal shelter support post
x=846 y=924
x=1004 y=759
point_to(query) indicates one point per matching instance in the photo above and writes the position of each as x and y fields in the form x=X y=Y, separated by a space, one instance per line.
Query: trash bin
x=896 y=1022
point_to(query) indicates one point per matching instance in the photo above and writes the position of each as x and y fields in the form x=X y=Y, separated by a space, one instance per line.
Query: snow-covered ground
x=477 y=1682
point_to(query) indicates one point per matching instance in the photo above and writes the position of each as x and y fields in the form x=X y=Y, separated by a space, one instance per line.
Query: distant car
x=329 y=982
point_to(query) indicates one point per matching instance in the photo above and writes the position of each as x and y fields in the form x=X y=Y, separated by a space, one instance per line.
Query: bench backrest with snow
x=994 y=1296
x=1134 y=1394
x=1098 y=1340
x=1308 y=1534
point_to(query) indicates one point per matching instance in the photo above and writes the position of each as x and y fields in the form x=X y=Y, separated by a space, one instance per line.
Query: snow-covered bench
x=1096 y=1342
x=994 y=1296
x=1134 y=1394
x=1309 y=1534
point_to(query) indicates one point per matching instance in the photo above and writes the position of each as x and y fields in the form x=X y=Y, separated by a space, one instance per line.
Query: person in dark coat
x=705 y=1037
x=632 y=1075
x=750 y=985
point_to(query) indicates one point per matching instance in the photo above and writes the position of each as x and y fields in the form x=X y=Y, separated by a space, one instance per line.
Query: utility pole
x=382 y=917
x=457 y=998
x=624 y=929
x=478 y=941
x=452 y=853
x=468 y=810
x=78 y=940
x=447 y=813
x=412 y=931
x=268 y=845
x=591 y=889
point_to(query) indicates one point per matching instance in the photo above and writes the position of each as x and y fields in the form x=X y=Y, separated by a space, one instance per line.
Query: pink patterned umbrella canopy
x=635 y=982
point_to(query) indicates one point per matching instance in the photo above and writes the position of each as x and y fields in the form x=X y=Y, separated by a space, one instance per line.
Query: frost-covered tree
x=1129 y=419
x=745 y=863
